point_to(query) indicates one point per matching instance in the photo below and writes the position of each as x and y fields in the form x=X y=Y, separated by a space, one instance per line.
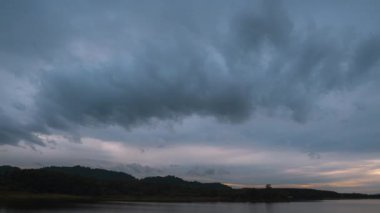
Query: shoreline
x=51 y=200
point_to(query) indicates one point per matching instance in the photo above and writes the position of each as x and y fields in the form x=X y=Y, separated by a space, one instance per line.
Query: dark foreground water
x=342 y=206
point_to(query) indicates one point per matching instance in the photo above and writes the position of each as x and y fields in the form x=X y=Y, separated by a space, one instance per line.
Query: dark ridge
x=5 y=170
x=111 y=185
x=100 y=174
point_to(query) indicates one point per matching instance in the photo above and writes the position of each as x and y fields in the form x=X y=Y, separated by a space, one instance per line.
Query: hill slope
x=85 y=181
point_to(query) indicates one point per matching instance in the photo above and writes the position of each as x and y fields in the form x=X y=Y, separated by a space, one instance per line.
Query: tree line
x=84 y=181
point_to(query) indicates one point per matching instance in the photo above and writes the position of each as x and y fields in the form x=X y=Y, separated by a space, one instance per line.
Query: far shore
x=21 y=199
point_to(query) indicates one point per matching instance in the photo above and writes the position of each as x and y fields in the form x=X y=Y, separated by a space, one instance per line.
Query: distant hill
x=99 y=174
x=100 y=183
x=5 y=170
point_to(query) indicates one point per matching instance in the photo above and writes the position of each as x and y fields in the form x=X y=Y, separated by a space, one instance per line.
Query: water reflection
x=354 y=206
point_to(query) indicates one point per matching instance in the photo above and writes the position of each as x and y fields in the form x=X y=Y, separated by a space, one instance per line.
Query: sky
x=242 y=92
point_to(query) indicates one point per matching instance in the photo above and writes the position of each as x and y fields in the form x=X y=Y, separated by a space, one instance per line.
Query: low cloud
x=253 y=167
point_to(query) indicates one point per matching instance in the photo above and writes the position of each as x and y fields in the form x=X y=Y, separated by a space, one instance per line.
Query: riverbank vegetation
x=82 y=184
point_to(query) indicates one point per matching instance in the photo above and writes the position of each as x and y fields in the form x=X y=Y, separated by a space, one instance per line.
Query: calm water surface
x=342 y=206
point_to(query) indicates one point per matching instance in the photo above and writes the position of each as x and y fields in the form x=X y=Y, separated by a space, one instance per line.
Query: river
x=337 y=206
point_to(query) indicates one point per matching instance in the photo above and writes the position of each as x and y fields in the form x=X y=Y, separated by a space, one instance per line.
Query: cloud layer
x=129 y=64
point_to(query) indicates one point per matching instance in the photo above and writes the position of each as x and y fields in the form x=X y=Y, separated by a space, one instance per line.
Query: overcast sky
x=241 y=92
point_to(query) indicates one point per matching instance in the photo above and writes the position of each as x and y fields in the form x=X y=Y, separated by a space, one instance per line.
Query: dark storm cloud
x=30 y=32
x=127 y=63
x=12 y=132
x=366 y=58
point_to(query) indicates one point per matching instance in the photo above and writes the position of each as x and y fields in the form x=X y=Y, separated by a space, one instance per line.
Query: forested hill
x=89 y=182
x=100 y=174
